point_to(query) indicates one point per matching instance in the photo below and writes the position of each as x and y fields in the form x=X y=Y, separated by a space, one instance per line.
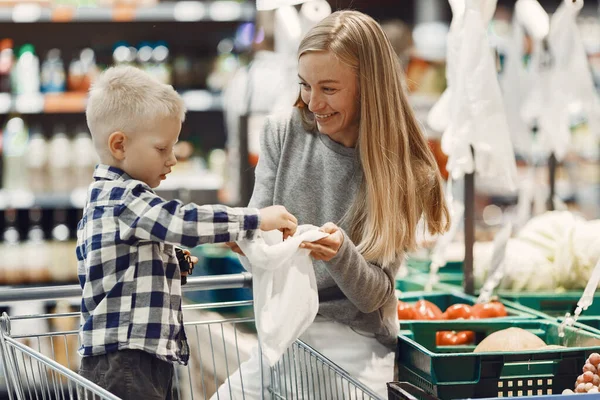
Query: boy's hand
x=235 y=248
x=277 y=217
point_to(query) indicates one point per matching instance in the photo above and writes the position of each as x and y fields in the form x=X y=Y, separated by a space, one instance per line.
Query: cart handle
x=213 y=282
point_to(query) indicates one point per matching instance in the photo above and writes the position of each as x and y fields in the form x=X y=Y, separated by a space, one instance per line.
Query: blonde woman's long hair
x=401 y=182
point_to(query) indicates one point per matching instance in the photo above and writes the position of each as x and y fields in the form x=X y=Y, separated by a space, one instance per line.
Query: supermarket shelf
x=195 y=101
x=25 y=199
x=181 y=11
x=74 y=103
x=200 y=189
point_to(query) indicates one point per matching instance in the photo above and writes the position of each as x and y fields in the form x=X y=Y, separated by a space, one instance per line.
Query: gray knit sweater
x=316 y=179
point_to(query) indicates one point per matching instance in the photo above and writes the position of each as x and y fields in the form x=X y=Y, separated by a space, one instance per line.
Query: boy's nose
x=172 y=160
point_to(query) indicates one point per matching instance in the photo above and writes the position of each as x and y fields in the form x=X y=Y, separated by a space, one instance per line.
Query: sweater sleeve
x=268 y=163
x=368 y=286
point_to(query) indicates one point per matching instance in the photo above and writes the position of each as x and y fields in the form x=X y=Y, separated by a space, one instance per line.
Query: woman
x=351 y=158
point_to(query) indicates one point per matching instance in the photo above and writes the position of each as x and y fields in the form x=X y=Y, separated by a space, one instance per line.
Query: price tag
x=123 y=13
x=21 y=199
x=5 y=103
x=63 y=14
x=198 y=100
x=65 y=103
x=26 y=12
x=29 y=103
x=225 y=11
x=189 y=11
x=78 y=197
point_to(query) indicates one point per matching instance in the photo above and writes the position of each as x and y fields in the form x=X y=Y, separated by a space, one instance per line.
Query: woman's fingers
x=235 y=248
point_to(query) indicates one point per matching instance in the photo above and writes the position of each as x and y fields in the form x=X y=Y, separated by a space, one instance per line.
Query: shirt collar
x=107 y=172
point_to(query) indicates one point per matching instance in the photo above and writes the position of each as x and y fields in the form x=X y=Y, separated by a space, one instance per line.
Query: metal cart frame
x=32 y=370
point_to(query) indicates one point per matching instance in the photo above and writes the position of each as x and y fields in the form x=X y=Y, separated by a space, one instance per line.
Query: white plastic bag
x=477 y=111
x=573 y=83
x=284 y=287
x=517 y=80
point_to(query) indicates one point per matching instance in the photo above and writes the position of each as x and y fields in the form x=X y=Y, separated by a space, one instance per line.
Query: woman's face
x=330 y=88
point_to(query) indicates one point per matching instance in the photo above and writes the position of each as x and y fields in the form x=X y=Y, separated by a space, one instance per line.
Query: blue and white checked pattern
x=127 y=265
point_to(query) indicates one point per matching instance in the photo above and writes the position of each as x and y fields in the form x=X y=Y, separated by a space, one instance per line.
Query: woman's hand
x=326 y=248
x=235 y=248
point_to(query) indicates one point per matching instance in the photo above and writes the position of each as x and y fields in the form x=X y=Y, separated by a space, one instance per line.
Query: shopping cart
x=44 y=364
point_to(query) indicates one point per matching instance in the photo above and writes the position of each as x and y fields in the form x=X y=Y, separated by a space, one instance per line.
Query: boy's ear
x=116 y=145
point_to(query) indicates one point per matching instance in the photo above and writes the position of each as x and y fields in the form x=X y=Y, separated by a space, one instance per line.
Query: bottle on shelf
x=63 y=265
x=11 y=261
x=37 y=161
x=160 y=63
x=14 y=154
x=144 y=57
x=59 y=161
x=27 y=72
x=35 y=251
x=183 y=72
x=7 y=60
x=90 y=68
x=84 y=158
x=123 y=54
x=53 y=73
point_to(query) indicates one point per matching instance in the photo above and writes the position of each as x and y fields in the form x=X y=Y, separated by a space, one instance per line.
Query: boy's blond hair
x=127 y=99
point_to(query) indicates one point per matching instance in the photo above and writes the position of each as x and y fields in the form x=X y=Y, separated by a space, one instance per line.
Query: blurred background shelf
x=184 y=11
x=74 y=103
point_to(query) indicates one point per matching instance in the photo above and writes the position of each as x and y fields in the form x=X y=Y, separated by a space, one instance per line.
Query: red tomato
x=444 y=338
x=450 y=338
x=466 y=337
x=427 y=310
x=493 y=309
x=458 y=311
x=406 y=311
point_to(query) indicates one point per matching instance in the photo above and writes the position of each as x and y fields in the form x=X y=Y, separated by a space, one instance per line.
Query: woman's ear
x=116 y=145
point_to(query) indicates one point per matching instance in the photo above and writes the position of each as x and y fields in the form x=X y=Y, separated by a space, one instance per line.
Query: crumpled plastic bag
x=477 y=110
x=284 y=287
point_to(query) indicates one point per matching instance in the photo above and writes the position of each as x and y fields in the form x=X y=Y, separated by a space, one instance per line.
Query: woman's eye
x=304 y=85
x=161 y=149
x=328 y=90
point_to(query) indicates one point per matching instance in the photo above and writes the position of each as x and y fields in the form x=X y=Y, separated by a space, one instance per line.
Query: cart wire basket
x=42 y=364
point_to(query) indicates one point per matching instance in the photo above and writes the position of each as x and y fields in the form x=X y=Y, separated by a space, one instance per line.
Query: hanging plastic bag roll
x=284 y=287
x=478 y=117
x=439 y=115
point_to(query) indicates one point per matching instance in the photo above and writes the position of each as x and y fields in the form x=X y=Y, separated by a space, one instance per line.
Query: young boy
x=131 y=319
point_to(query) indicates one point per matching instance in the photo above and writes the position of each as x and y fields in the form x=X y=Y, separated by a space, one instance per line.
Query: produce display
x=554 y=251
x=426 y=310
x=589 y=380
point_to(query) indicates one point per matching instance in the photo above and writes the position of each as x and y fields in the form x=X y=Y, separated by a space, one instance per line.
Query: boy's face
x=149 y=155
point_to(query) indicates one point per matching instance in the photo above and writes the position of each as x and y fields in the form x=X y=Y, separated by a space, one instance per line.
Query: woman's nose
x=316 y=102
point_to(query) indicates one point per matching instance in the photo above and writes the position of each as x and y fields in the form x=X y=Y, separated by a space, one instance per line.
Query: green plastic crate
x=551 y=303
x=451 y=372
x=410 y=284
x=423 y=265
x=445 y=299
x=554 y=304
x=446 y=280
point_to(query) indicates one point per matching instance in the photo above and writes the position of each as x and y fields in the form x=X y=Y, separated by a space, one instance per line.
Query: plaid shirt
x=127 y=266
